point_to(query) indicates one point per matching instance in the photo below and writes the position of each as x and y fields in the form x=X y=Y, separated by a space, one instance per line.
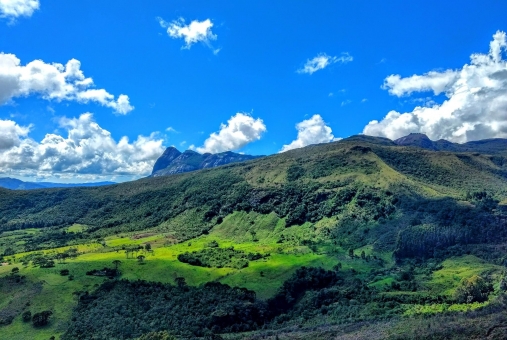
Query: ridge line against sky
x=453 y=102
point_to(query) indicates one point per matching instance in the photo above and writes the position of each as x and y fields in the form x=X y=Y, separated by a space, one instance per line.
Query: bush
x=42 y=318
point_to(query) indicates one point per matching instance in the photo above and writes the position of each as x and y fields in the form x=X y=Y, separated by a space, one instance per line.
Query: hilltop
x=362 y=231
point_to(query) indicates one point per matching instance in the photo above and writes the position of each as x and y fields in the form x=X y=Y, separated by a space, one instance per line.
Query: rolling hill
x=361 y=238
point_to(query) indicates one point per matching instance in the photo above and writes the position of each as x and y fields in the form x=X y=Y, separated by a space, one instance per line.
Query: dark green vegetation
x=220 y=257
x=389 y=236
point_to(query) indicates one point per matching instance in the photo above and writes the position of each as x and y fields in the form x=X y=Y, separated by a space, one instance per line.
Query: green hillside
x=333 y=240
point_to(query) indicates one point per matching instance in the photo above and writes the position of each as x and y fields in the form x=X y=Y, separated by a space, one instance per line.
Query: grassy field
x=264 y=276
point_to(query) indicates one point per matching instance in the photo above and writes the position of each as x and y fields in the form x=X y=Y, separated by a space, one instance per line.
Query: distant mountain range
x=173 y=161
x=16 y=184
x=491 y=146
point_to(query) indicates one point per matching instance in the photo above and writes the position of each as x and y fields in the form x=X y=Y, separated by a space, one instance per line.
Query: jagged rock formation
x=173 y=161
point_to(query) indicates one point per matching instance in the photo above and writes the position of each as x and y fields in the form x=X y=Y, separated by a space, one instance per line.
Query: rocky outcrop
x=173 y=162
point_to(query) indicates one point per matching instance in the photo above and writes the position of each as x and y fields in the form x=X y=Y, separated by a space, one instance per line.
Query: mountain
x=489 y=146
x=357 y=239
x=173 y=161
x=16 y=184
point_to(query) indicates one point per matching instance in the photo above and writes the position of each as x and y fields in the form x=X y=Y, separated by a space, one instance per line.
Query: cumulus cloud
x=88 y=149
x=196 y=31
x=437 y=82
x=240 y=130
x=16 y=8
x=54 y=82
x=311 y=131
x=475 y=106
x=322 y=61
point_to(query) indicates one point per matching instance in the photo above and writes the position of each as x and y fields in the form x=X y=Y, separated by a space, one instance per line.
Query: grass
x=445 y=280
x=264 y=276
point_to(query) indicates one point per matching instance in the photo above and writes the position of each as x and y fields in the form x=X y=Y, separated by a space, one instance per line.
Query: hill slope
x=398 y=231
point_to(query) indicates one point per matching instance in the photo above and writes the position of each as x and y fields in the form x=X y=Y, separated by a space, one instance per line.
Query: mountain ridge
x=490 y=145
x=17 y=184
x=172 y=161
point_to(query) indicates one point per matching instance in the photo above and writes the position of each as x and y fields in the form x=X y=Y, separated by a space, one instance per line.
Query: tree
x=15 y=270
x=147 y=247
x=503 y=283
x=141 y=258
x=156 y=336
x=473 y=289
x=116 y=264
x=351 y=253
x=363 y=255
x=64 y=272
x=26 y=316
x=42 y=318
x=180 y=281
x=254 y=235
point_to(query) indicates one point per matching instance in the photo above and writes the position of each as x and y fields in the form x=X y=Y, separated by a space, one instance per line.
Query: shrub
x=42 y=318
x=26 y=316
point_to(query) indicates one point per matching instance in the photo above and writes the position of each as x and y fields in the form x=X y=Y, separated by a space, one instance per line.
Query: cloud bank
x=476 y=104
x=88 y=149
x=13 y=9
x=322 y=61
x=240 y=130
x=196 y=31
x=311 y=131
x=54 y=82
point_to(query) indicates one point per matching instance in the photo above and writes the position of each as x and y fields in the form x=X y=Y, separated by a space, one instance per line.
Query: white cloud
x=437 y=82
x=240 y=130
x=346 y=102
x=311 y=131
x=87 y=150
x=321 y=61
x=364 y=100
x=196 y=31
x=16 y=8
x=476 y=104
x=53 y=82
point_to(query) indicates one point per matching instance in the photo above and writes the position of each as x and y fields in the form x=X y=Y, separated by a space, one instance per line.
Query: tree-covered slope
x=364 y=180
x=397 y=231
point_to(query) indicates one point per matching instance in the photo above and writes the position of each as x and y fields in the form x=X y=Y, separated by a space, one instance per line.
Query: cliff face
x=173 y=162
x=167 y=157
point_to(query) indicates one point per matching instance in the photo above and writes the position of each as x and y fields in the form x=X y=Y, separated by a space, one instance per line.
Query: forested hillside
x=355 y=232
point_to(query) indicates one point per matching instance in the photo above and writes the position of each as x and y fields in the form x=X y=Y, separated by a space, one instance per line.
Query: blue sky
x=245 y=71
